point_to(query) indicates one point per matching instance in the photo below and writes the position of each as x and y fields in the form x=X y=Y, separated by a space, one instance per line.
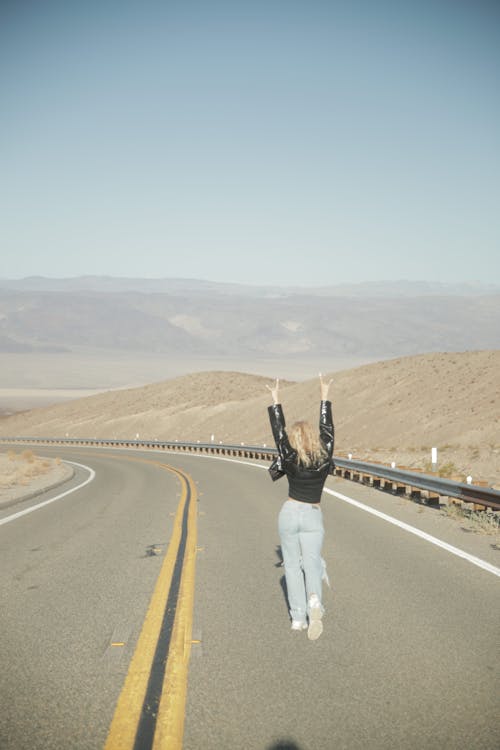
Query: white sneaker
x=315 y=614
x=299 y=625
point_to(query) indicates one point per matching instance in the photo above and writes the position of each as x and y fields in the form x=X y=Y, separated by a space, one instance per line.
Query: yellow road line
x=171 y=712
x=128 y=711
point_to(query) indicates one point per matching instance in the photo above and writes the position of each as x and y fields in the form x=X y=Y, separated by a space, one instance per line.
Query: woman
x=306 y=459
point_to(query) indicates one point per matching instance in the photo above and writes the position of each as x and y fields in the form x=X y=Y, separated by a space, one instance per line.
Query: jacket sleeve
x=326 y=427
x=285 y=450
x=277 y=419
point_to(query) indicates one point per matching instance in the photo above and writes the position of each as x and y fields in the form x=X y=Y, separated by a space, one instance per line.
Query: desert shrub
x=448 y=470
x=483 y=521
x=22 y=469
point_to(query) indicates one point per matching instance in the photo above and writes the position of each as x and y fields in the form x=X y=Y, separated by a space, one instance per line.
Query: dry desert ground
x=24 y=474
x=394 y=410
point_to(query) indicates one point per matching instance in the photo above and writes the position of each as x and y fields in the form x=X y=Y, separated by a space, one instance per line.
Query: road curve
x=407 y=659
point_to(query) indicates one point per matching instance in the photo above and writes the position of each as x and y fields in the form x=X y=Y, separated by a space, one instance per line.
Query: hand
x=324 y=387
x=274 y=391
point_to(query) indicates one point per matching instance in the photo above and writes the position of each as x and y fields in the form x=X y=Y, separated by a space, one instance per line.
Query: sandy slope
x=392 y=410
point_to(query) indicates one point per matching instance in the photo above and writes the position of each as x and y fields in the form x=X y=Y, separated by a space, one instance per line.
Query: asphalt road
x=408 y=659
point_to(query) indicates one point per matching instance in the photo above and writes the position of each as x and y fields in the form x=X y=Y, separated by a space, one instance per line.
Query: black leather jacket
x=286 y=461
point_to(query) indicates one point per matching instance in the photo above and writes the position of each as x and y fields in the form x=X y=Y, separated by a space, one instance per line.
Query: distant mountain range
x=400 y=288
x=197 y=318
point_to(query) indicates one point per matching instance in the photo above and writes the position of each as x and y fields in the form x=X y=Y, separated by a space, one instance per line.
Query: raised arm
x=326 y=426
x=277 y=419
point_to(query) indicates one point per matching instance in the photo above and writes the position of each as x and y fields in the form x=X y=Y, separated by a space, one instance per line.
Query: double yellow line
x=151 y=707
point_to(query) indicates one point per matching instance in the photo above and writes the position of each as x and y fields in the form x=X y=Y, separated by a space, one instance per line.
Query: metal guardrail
x=384 y=476
x=378 y=475
x=260 y=452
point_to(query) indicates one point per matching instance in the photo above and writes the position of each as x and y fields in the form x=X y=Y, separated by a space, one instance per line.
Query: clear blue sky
x=261 y=142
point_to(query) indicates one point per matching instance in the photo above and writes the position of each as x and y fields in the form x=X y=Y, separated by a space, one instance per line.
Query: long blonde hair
x=306 y=442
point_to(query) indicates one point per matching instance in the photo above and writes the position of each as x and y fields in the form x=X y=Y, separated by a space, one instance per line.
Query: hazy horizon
x=198 y=280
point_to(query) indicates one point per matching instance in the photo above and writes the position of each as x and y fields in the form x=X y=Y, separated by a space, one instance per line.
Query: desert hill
x=391 y=410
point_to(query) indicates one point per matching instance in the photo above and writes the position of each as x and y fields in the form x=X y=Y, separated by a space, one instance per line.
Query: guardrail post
x=400 y=487
x=478 y=506
x=432 y=498
x=416 y=492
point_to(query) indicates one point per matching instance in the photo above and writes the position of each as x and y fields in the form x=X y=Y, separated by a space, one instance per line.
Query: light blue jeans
x=301 y=533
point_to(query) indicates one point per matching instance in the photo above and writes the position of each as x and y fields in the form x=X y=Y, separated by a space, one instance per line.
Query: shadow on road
x=284 y=745
x=279 y=564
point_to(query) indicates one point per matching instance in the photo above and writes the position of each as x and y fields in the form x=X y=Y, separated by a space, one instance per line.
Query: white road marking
x=422 y=534
x=31 y=509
